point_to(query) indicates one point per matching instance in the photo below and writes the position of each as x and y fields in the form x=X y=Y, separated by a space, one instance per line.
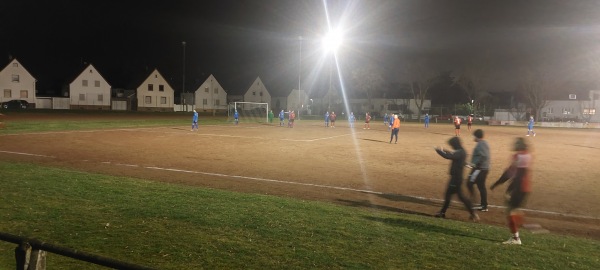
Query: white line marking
x=26 y=154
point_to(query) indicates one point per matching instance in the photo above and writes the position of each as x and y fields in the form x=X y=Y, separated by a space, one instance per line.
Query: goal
x=249 y=111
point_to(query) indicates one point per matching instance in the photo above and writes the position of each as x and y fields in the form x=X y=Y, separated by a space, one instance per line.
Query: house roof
x=5 y=65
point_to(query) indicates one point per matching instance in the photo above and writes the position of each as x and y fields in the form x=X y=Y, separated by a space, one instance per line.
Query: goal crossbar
x=235 y=105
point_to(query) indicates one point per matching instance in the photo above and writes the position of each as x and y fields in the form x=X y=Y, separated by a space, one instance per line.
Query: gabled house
x=90 y=90
x=577 y=106
x=155 y=94
x=257 y=92
x=17 y=83
x=210 y=96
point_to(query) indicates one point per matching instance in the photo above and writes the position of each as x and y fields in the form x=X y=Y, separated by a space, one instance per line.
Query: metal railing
x=30 y=254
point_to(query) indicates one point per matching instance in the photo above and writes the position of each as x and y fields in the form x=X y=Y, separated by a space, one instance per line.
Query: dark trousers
x=455 y=187
x=480 y=182
x=394 y=133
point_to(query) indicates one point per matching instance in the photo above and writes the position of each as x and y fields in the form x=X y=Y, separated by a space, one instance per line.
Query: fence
x=30 y=254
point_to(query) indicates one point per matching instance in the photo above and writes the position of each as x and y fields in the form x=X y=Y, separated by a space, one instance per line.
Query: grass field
x=209 y=221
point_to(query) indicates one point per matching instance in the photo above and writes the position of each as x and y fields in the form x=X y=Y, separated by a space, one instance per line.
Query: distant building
x=155 y=94
x=17 y=83
x=210 y=96
x=257 y=92
x=90 y=90
x=577 y=106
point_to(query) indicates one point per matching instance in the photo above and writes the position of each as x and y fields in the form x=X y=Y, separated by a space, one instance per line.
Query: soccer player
x=236 y=117
x=426 y=120
x=395 y=128
x=332 y=117
x=195 y=121
x=351 y=119
x=457 y=121
x=530 y=126
x=367 y=120
x=480 y=166
x=281 y=118
x=469 y=121
x=271 y=116
x=386 y=119
x=519 y=172
x=292 y=117
x=326 y=119
x=458 y=157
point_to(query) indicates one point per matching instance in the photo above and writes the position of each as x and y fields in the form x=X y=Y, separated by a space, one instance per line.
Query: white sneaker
x=512 y=241
x=533 y=134
x=527 y=135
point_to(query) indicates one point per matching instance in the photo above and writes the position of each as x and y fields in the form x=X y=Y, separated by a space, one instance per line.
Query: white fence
x=52 y=103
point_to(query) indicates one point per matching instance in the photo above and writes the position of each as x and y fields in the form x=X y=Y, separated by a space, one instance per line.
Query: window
x=24 y=94
x=84 y=83
x=217 y=102
x=261 y=94
x=205 y=102
x=100 y=97
x=150 y=87
x=216 y=90
x=206 y=90
x=589 y=111
x=7 y=93
x=163 y=100
x=81 y=97
x=15 y=78
x=148 y=99
x=551 y=110
x=15 y=64
x=254 y=93
x=161 y=88
x=572 y=96
x=96 y=83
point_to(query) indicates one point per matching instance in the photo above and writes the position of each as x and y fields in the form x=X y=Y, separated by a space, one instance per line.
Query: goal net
x=251 y=112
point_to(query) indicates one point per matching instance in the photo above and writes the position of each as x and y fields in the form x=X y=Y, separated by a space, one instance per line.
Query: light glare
x=332 y=41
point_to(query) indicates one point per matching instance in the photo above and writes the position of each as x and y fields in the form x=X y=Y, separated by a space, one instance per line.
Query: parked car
x=14 y=104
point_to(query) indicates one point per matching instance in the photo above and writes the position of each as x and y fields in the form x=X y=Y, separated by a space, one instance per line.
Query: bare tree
x=536 y=86
x=421 y=77
x=473 y=80
x=368 y=79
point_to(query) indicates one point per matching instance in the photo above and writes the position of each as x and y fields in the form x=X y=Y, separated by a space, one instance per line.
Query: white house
x=17 y=83
x=155 y=94
x=257 y=92
x=211 y=96
x=90 y=90
x=580 y=107
x=297 y=100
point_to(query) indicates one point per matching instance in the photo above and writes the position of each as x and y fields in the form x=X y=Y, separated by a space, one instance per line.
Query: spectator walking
x=480 y=166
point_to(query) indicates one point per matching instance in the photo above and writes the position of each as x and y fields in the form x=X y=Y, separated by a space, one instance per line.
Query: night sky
x=240 y=40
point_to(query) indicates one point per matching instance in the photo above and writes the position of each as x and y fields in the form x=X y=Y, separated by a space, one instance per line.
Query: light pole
x=183 y=79
x=299 y=75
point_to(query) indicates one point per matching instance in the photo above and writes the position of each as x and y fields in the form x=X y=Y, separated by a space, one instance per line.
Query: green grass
x=171 y=226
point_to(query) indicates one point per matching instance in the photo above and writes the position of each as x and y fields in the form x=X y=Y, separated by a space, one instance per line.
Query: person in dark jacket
x=458 y=157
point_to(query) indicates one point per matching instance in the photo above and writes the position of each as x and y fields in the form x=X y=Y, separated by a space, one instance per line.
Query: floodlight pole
x=299 y=75
x=183 y=79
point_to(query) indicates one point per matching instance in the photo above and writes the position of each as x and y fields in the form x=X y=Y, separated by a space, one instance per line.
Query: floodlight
x=332 y=41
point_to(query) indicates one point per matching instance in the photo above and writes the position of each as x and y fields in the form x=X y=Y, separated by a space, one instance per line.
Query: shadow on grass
x=368 y=204
x=410 y=199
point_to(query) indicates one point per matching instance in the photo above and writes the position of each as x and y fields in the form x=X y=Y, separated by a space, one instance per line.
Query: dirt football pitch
x=354 y=167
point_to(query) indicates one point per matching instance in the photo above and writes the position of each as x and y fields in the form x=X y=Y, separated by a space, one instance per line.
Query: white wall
x=96 y=86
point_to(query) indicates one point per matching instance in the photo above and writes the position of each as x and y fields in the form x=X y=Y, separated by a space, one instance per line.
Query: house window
x=155 y=76
x=150 y=87
x=148 y=99
x=91 y=71
x=216 y=90
x=589 y=111
x=15 y=64
x=96 y=83
x=100 y=98
x=15 y=78
x=84 y=83
x=261 y=94
x=206 y=90
x=7 y=93
x=551 y=110
x=161 y=88
x=81 y=97
x=205 y=102
x=217 y=102
x=24 y=94
x=254 y=93
x=163 y=100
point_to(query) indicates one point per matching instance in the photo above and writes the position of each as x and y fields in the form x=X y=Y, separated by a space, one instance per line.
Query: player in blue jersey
x=530 y=126
x=426 y=120
x=236 y=117
x=281 y=118
x=326 y=119
x=351 y=119
x=195 y=121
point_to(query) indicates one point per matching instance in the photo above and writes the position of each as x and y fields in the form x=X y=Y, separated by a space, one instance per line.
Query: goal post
x=249 y=111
